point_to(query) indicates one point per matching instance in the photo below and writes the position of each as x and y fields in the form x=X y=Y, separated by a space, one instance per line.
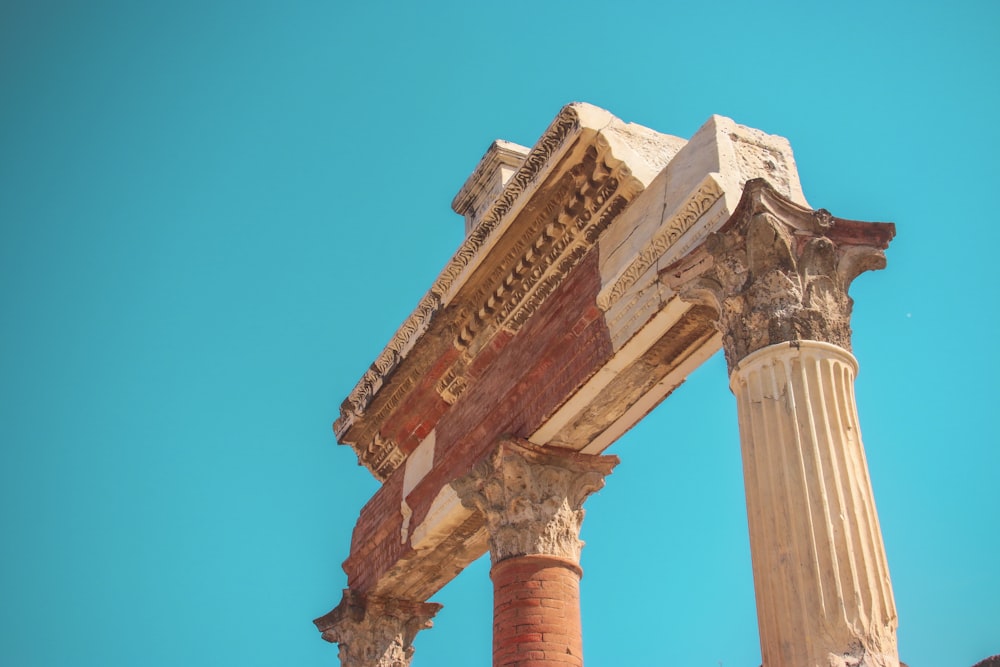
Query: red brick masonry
x=536 y=612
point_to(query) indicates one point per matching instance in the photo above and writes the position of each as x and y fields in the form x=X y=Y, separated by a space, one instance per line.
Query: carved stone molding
x=532 y=497
x=778 y=272
x=671 y=230
x=552 y=239
x=586 y=199
x=549 y=144
x=362 y=394
x=375 y=631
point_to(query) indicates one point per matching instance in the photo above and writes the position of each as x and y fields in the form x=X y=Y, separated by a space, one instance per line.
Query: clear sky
x=214 y=215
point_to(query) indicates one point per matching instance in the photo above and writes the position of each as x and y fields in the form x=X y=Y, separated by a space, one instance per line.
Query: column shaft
x=823 y=592
x=536 y=613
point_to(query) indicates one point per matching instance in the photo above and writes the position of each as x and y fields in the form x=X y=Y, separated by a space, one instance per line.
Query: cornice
x=566 y=123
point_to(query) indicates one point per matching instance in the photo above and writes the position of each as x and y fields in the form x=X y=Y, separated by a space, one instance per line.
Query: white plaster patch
x=418 y=464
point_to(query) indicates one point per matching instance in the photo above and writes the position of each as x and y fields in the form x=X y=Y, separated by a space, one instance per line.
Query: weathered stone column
x=778 y=274
x=374 y=631
x=532 y=500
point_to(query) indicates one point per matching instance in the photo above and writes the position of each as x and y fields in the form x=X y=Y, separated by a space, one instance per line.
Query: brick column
x=532 y=498
x=778 y=275
x=375 y=631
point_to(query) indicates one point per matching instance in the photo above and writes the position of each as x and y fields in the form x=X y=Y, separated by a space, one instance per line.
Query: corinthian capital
x=375 y=631
x=778 y=272
x=532 y=497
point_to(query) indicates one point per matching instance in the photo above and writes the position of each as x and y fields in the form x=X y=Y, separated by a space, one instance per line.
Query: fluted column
x=532 y=498
x=374 y=631
x=819 y=563
x=778 y=275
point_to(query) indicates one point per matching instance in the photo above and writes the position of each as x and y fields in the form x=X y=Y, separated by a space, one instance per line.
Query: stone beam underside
x=551 y=324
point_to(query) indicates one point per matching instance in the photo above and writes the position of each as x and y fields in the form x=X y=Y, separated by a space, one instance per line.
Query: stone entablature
x=573 y=192
x=552 y=323
x=569 y=188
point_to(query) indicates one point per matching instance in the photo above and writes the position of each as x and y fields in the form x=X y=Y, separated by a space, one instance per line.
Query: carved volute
x=777 y=272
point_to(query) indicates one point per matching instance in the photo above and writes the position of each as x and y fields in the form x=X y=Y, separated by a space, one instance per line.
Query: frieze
x=587 y=198
x=625 y=317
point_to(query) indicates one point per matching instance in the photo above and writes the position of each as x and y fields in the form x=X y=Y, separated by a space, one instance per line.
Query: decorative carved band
x=778 y=272
x=564 y=125
x=698 y=204
x=532 y=497
x=587 y=200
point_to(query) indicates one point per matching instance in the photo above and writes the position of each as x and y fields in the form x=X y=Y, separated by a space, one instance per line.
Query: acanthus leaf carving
x=374 y=631
x=532 y=497
x=778 y=272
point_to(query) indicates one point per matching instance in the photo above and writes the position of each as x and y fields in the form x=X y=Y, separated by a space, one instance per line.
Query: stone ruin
x=600 y=267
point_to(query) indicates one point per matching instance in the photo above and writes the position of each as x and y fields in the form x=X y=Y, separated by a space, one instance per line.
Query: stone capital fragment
x=375 y=631
x=779 y=272
x=532 y=497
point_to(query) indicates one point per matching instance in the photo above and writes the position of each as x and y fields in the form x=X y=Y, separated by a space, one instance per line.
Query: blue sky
x=214 y=215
